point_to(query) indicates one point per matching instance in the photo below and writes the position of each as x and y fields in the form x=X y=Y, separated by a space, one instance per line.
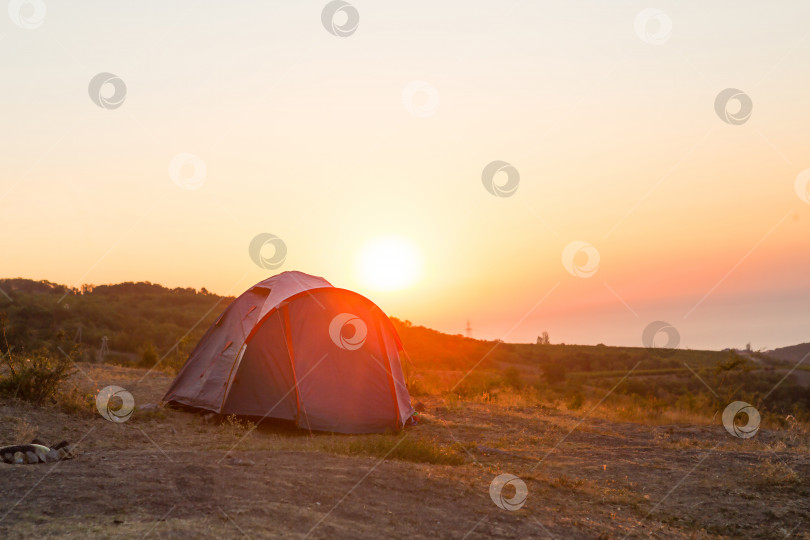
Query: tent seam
x=229 y=382
x=285 y=312
x=388 y=372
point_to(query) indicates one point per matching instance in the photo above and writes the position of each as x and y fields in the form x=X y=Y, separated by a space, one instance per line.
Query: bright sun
x=389 y=263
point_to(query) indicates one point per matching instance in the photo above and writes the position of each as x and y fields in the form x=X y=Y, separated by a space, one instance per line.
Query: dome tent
x=294 y=347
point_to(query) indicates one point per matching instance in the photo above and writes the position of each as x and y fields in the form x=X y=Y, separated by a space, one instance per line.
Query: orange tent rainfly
x=294 y=347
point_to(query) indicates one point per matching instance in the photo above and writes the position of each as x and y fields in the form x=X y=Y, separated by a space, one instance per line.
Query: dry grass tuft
x=23 y=432
x=401 y=447
x=773 y=473
x=234 y=426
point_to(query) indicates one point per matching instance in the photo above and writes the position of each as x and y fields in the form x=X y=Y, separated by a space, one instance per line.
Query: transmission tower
x=102 y=352
x=469 y=329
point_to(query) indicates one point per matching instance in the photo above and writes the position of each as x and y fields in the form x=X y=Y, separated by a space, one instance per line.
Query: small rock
x=64 y=454
x=19 y=458
x=41 y=453
x=62 y=444
x=31 y=457
x=52 y=456
x=148 y=407
x=8 y=457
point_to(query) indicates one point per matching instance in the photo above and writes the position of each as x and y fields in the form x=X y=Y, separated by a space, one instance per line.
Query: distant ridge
x=792 y=353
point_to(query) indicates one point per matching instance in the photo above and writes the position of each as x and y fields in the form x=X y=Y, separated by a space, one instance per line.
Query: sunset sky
x=379 y=138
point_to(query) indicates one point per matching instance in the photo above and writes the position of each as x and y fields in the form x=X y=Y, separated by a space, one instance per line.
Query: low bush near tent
x=35 y=378
x=40 y=378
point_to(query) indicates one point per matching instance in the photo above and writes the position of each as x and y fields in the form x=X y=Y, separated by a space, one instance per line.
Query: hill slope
x=141 y=317
x=791 y=354
x=148 y=324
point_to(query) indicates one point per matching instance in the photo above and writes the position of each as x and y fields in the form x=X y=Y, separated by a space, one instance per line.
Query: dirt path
x=166 y=475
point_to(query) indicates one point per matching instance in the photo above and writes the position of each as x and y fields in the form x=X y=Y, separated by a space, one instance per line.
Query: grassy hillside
x=137 y=317
x=634 y=383
x=145 y=322
x=140 y=320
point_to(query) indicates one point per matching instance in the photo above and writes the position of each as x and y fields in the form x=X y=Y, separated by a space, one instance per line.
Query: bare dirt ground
x=168 y=474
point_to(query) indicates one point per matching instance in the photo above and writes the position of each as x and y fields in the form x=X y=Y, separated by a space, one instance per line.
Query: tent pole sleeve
x=288 y=339
x=388 y=371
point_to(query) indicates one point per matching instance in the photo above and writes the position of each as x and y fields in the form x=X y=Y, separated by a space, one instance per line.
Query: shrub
x=175 y=359
x=554 y=373
x=149 y=356
x=417 y=386
x=512 y=377
x=35 y=378
x=476 y=384
x=576 y=402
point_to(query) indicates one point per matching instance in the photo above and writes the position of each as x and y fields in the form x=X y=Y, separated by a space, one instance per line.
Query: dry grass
x=22 y=430
x=402 y=447
x=73 y=400
x=773 y=473
x=493 y=388
x=233 y=426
